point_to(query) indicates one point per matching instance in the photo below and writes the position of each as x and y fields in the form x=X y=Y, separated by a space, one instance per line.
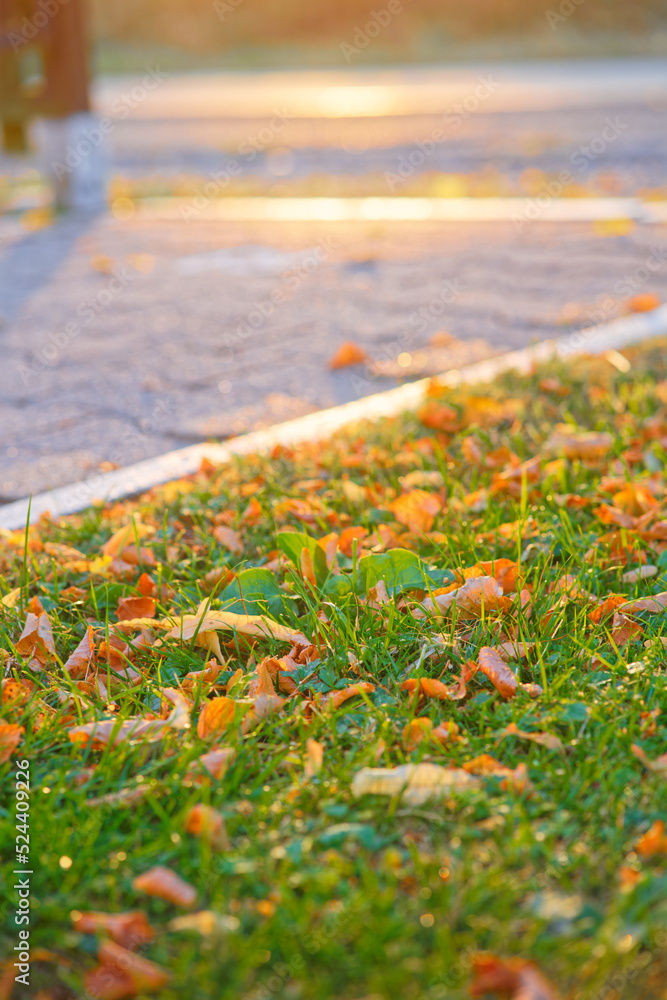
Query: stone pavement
x=123 y=340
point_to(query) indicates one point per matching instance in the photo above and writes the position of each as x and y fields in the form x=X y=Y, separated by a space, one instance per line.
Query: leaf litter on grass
x=403 y=689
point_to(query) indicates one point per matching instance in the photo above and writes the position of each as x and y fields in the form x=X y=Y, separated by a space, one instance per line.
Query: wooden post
x=50 y=34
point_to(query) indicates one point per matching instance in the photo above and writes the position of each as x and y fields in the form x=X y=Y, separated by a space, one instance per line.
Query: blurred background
x=226 y=213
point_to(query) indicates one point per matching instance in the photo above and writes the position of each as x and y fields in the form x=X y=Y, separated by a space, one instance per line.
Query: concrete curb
x=121 y=483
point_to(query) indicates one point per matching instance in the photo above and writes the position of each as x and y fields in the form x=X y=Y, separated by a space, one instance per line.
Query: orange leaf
x=314 y=758
x=228 y=538
x=428 y=687
x=167 y=884
x=416 y=731
x=135 y=607
x=144 y=975
x=417 y=509
x=205 y=822
x=10 y=737
x=512 y=977
x=653 y=842
x=83 y=657
x=131 y=930
x=348 y=353
x=643 y=302
x=501 y=676
x=336 y=698
x=216 y=716
x=37 y=637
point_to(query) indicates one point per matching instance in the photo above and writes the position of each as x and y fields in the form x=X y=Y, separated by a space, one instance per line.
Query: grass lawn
x=470 y=589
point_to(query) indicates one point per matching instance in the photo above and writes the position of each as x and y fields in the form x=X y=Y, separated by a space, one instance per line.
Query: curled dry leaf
x=217 y=760
x=207 y=620
x=654 y=604
x=512 y=978
x=36 y=641
x=216 y=716
x=415 y=783
x=336 y=698
x=514 y=650
x=167 y=884
x=658 y=766
x=195 y=679
x=417 y=509
x=501 y=676
x=206 y=822
x=347 y=354
x=641 y=573
x=314 y=758
x=130 y=930
x=653 y=842
x=83 y=657
x=588 y=445
x=228 y=538
x=428 y=687
x=476 y=597
x=130 y=608
x=10 y=737
x=547 y=740
x=122 y=973
x=416 y=731
x=101 y=732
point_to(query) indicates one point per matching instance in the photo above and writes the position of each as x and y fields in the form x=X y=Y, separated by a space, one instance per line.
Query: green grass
x=367 y=897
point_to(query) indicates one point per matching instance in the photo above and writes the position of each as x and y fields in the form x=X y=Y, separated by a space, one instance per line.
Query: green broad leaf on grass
x=292 y=544
x=401 y=570
x=254 y=592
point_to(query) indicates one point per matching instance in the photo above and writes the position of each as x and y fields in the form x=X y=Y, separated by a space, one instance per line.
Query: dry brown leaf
x=217 y=761
x=83 y=657
x=654 y=604
x=117 y=968
x=314 y=759
x=658 y=766
x=347 y=354
x=336 y=698
x=512 y=978
x=216 y=716
x=428 y=687
x=653 y=842
x=587 y=445
x=130 y=608
x=131 y=930
x=417 y=509
x=10 y=737
x=416 y=731
x=228 y=538
x=36 y=641
x=206 y=620
x=543 y=739
x=206 y=822
x=501 y=676
x=476 y=597
x=167 y=884
x=415 y=783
